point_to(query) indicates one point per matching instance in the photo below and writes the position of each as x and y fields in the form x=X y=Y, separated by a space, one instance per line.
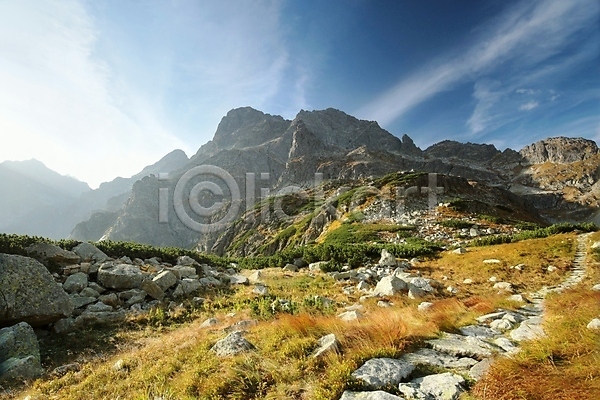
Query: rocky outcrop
x=51 y=255
x=465 y=152
x=19 y=353
x=28 y=293
x=560 y=150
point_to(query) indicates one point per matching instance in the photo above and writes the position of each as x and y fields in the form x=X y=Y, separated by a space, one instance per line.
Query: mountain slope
x=35 y=200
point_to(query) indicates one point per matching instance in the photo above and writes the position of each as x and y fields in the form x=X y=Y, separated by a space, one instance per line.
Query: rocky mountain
x=111 y=196
x=265 y=154
x=35 y=200
x=38 y=201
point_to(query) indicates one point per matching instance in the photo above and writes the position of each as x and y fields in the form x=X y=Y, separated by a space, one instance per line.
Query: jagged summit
x=560 y=150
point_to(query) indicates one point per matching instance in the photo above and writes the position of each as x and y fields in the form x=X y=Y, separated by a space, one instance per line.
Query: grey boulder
x=120 y=276
x=19 y=353
x=377 y=373
x=29 y=293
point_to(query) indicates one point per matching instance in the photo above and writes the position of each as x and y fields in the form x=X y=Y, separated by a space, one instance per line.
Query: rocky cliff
x=261 y=154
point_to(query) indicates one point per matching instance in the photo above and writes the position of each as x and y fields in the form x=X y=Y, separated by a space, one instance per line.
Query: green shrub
x=456 y=223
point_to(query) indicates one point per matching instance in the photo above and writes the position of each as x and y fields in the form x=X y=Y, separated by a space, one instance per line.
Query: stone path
x=469 y=353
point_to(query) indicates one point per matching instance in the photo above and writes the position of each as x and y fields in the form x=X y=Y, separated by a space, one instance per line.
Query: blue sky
x=99 y=89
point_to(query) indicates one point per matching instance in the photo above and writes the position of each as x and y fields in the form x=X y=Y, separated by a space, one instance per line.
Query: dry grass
x=173 y=361
x=564 y=365
x=536 y=254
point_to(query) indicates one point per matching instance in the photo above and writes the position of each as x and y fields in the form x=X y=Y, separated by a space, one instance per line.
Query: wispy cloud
x=530 y=105
x=520 y=39
x=85 y=90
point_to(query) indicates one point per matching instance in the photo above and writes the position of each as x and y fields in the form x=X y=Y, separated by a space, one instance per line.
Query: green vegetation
x=456 y=223
x=534 y=234
x=16 y=244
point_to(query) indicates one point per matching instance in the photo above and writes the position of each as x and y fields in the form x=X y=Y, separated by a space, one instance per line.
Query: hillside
x=265 y=154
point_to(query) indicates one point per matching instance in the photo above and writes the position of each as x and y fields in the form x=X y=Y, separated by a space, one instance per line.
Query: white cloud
x=524 y=36
x=94 y=97
x=530 y=105
x=56 y=104
x=527 y=91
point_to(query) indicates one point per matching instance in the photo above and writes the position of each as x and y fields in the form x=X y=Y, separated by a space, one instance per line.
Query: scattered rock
x=76 y=283
x=186 y=286
x=380 y=372
x=153 y=290
x=350 y=315
x=492 y=261
x=51 y=255
x=255 y=277
x=468 y=281
x=596 y=288
x=517 y=298
x=528 y=330
x=478 y=331
x=165 y=280
x=19 y=353
x=463 y=346
x=433 y=358
x=376 y=395
x=89 y=292
x=65 y=369
x=231 y=345
x=479 y=370
x=260 y=290
x=594 y=324
x=290 y=268
x=551 y=268
x=387 y=259
x=389 y=286
x=424 y=306
x=63 y=326
x=504 y=286
x=327 y=344
x=238 y=279
x=446 y=386
x=452 y=290
x=29 y=293
x=99 y=307
x=186 y=261
x=460 y=250
x=120 y=276
x=209 y=323
x=88 y=253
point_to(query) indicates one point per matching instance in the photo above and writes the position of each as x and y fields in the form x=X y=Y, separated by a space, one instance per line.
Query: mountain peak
x=560 y=150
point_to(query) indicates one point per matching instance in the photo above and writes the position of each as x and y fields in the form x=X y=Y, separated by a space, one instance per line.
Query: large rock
x=433 y=358
x=389 y=286
x=231 y=345
x=464 y=346
x=76 y=283
x=187 y=286
x=19 y=353
x=377 y=373
x=387 y=259
x=165 y=280
x=529 y=329
x=327 y=344
x=120 y=276
x=376 y=395
x=446 y=386
x=29 y=293
x=88 y=253
x=51 y=255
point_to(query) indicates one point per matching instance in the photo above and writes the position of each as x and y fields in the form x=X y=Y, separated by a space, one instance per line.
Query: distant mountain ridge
x=556 y=175
x=341 y=147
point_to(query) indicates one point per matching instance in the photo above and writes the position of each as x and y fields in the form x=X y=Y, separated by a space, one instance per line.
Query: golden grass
x=174 y=361
x=563 y=365
x=536 y=254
